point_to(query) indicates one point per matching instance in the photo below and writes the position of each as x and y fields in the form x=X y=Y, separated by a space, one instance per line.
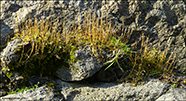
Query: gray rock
x=173 y=94
x=10 y=83
x=8 y=55
x=47 y=9
x=157 y=16
x=7 y=58
x=5 y=30
x=153 y=89
x=164 y=21
x=3 y=82
x=87 y=65
x=42 y=93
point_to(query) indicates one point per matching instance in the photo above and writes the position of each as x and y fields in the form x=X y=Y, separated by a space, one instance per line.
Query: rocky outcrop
x=152 y=90
x=163 y=21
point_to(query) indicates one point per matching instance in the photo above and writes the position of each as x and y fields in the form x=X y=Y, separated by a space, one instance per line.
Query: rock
x=112 y=91
x=163 y=21
x=153 y=89
x=47 y=9
x=16 y=81
x=41 y=93
x=5 y=30
x=87 y=66
x=157 y=23
x=10 y=83
x=3 y=82
x=8 y=55
x=173 y=94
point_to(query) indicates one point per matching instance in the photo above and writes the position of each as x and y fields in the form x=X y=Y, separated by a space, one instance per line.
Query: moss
x=44 y=48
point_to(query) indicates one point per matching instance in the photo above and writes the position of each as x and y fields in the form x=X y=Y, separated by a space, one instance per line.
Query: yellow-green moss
x=44 y=48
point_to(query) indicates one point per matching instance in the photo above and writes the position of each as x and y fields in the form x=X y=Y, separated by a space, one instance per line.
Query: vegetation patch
x=24 y=88
x=148 y=62
x=45 y=47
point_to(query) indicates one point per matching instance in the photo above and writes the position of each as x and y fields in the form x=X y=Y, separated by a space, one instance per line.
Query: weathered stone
x=173 y=94
x=85 y=67
x=5 y=30
x=163 y=21
x=41 y=93
x=152 y=90
x=8 y=55
x=3 y=82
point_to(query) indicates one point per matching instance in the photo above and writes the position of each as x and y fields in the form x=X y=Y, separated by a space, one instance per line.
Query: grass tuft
x=45 y=47
x=149 y=62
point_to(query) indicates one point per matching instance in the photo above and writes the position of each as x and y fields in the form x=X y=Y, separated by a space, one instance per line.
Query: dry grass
x=42 y=42
x=148 y=62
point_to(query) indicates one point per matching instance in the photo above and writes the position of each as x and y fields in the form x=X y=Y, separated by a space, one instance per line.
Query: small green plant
x=8 y=74
x=124 y=50
x=24 y=88
x=174 y=85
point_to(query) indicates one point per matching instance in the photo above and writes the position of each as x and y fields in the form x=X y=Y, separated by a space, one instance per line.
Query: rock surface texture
x=163 y=21
x=152 y=90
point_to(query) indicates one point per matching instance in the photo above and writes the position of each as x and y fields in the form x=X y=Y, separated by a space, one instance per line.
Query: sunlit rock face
x=164 y=22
